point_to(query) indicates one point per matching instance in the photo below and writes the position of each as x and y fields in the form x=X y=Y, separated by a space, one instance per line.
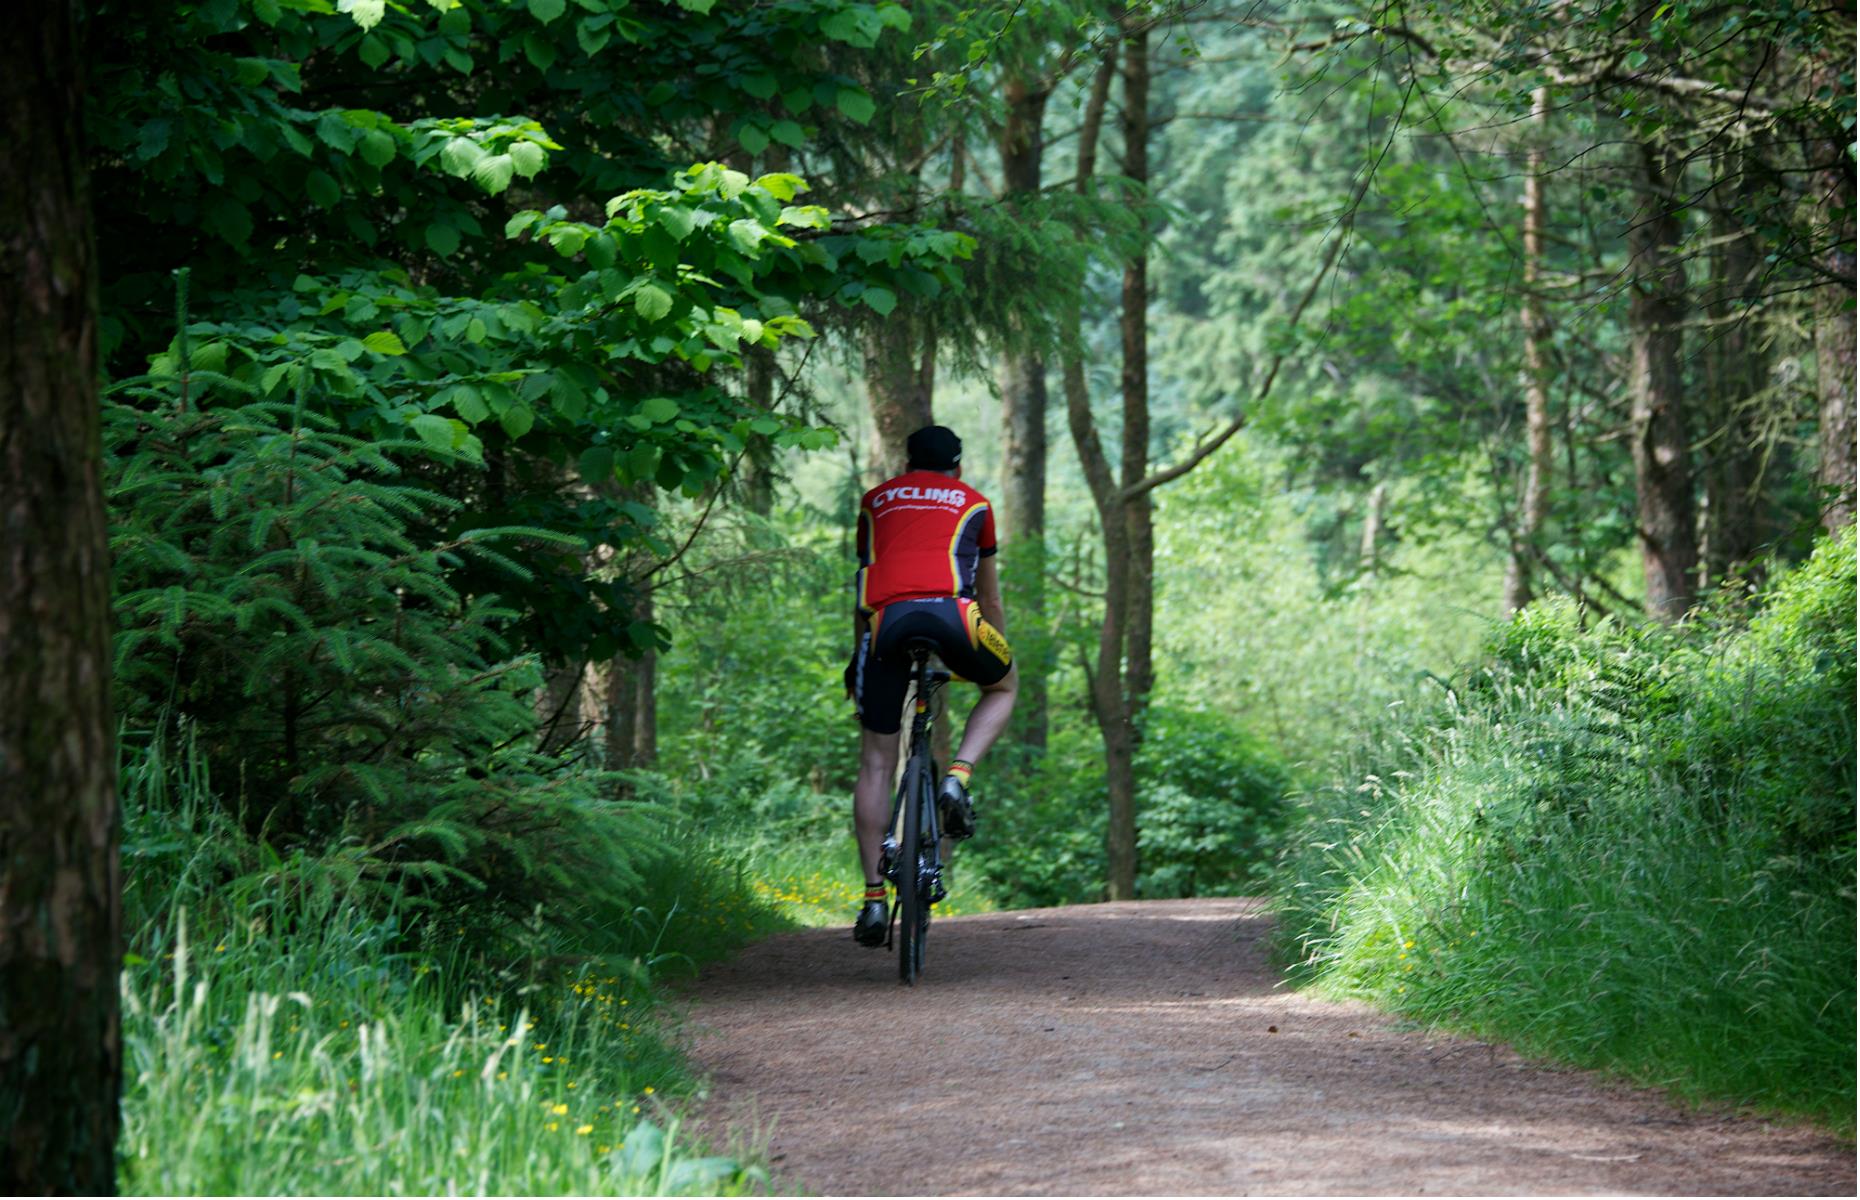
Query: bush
x=1624 y=848
x=1208 y=802
x=279 y=597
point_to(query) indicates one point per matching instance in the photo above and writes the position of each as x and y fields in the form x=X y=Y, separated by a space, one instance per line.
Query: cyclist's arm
x=988 y=593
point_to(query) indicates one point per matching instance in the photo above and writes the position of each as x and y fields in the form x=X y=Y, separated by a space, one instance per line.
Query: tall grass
x=283 y=1036
x=1631 y=849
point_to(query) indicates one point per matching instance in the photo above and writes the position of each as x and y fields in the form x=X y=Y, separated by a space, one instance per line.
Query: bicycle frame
x=919 y=883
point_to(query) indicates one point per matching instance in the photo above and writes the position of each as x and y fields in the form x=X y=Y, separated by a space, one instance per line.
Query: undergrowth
x=283 y=1035
x=1623 y=848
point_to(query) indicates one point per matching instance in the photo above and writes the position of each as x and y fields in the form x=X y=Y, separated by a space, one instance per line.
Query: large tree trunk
x=60 y=914
x=1536 y=392
x=898 y=389
x=1662 y=461
x=1023 y=420
x=1140 y=677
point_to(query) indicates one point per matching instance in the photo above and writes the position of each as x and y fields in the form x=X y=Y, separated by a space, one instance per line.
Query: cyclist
x=926 y=545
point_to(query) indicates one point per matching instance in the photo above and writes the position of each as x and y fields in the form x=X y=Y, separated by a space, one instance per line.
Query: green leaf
x=752 y=138
x=468 y=403
x=597 y=464
x=517 y=420
x=442 y=239
x=539 y=50
x=527 y=157
x=659 y=409
x=367 y=13
x=880 y=300
x=601 y=251
x=373 y=51
x=856 y=104
x=322 y=189
x=652 y=301
x=458 y=60
x=679 y=222
x=642 y=461
x=493 y=172
x=383 y=342
x=547 y=10
x=788 y=133
x=592 y=38
x=455 y=22
x=434 y=430
x=701 y=7
x=460 y=156
x=782 y=185
x=766 y=426
x=377 y=148
x=251 y=71
x=520 y=222
x=760 y=86
x=568 y=239
x=807 y=216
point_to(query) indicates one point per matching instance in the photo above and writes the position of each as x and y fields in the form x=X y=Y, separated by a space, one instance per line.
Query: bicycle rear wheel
x=913 y=898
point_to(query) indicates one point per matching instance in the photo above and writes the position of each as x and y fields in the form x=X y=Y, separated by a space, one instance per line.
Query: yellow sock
x=962 y=769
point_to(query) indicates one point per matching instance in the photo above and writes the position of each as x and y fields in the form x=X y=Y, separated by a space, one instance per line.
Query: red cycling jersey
x=921 y=534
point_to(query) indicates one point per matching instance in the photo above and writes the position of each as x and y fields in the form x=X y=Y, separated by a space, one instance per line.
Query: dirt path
x=1145 y=1049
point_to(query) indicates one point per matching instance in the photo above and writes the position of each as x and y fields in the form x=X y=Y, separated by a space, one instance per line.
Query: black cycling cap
x=934 y=448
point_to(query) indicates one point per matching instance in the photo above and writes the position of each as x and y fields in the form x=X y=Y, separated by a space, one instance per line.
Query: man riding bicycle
x=926 y=571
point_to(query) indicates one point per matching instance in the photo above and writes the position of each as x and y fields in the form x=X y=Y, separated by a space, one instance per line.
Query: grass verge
x=282 y=1037
x=1626 y=849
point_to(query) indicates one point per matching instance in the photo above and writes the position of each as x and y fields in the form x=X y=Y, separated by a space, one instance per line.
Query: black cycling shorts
x=970 y=647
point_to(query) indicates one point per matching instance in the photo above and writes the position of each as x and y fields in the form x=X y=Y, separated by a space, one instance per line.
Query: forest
x=1421 y=438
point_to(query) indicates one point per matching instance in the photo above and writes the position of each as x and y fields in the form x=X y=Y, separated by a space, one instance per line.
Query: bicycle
x=912 y=854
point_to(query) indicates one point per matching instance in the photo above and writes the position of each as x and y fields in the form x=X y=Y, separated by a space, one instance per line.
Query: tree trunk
x=558 y=706
x=1140 y=676
x=646 y=696
x=1536 y=394
x=632 y=701
x=1834 y=345
x=898 y=389
x=1662 y=461
x=60 y=888
x=758 y=470
x=1023 y=468
x=1369 y=550
x=1109 y=701
x=1105 y=679
x=1738 y=369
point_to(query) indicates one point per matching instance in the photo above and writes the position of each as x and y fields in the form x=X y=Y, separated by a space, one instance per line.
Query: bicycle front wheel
x=913 y=882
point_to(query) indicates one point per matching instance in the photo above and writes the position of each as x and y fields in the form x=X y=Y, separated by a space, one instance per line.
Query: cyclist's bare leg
x=878 y=768
x=989 y=716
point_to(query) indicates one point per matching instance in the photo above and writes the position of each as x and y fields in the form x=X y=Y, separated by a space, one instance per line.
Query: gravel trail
x=1147 y=1048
